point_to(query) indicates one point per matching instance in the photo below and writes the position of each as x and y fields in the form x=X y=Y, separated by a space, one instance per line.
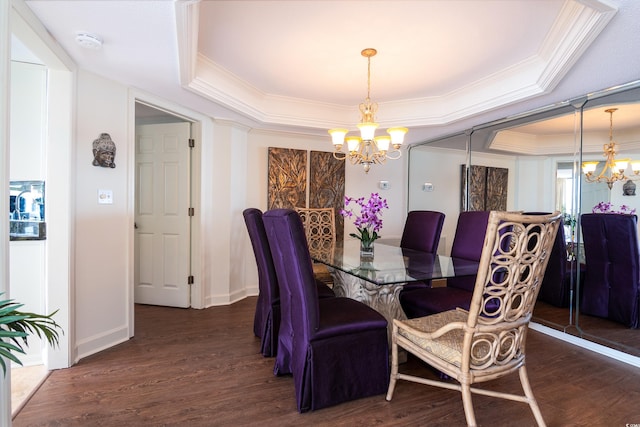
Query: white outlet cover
x=383 y=185
x=105 y=197
x=427 y=186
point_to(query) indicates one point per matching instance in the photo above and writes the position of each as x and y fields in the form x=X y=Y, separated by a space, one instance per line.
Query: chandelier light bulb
x=352 y=143
x=337 y=136
x=383 y=142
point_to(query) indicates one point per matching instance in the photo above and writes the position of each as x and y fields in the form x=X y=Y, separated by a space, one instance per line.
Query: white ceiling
x=442 y=65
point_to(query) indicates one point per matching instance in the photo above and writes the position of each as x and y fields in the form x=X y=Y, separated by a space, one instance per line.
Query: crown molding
x=577 y=25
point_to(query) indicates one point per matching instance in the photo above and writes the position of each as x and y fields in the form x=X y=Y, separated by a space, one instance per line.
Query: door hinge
x=190 y=280
x=192 y=142
x=191 y=212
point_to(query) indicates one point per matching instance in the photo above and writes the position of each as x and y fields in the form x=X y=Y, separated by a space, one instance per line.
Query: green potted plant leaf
x=16 y=326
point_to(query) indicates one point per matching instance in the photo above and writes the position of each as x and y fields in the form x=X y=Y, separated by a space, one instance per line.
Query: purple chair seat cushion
x=423 y=302
x=323 y=290
x=340 y=316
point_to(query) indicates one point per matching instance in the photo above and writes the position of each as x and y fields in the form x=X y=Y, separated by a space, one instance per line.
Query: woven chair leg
x=467 y=403
x=394 y=364
x=533 y=404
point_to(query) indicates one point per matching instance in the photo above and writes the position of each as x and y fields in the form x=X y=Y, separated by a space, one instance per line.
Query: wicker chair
x=320 y=229
x=488 y=341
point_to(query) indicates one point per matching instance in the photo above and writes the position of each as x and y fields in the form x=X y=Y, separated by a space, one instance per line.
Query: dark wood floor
x=202 y=368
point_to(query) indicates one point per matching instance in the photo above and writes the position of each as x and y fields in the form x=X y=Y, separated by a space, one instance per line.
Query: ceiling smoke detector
x=88 y=40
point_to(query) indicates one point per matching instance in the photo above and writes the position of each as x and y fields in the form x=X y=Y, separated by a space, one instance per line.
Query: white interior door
x=162 y=237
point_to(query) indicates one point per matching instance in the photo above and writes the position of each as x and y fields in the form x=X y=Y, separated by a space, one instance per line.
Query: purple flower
x=369 y=222
x=607 y=207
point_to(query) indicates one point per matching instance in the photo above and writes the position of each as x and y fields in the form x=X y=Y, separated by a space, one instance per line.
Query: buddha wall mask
x=104 y=151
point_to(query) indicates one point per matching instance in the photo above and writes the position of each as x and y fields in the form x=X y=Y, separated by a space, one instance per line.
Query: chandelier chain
x=610 y=111
x=368 y=79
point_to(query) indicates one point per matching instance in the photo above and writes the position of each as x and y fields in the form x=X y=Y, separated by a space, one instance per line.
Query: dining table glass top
x=392 y=264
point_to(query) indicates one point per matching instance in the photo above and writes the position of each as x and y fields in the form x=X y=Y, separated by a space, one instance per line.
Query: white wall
x=28 y=122
x=224 y=184
x=102 y=231
x=441 y=167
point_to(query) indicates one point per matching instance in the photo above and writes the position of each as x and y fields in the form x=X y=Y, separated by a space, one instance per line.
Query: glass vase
x=366 y=251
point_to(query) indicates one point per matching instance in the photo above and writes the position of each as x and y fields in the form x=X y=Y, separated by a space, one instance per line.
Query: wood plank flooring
x=601 y=331
x=202 y=368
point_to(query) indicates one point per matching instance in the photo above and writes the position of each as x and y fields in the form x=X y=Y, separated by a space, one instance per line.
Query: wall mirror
x=543 y=151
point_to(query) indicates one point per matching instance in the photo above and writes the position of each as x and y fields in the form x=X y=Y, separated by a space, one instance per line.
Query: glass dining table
x=377 y=281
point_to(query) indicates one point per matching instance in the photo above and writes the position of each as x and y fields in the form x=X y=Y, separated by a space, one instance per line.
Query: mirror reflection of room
x=26 y=200
x=544 y=152
x=27 y=210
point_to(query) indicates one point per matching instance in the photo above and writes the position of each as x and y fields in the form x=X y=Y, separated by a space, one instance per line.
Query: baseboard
x=588 y=345
x=100 y=342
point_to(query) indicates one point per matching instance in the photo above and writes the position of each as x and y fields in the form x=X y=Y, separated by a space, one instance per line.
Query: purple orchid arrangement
x=607 y=207
x=369 y=222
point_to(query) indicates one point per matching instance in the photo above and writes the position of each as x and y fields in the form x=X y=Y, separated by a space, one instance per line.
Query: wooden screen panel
x=487 y=188
x=496 y=195
x=287 y=178
x=326 y=186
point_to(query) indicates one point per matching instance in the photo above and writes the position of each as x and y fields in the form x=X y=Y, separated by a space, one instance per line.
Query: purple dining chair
x=612 y=279
x=467 y=247
x=421 y=232
x=340 y=350
x=561 y=276
x=266 y=322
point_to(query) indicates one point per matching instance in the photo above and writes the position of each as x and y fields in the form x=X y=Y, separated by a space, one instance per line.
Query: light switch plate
x=105 y=197
x=383 y=185
x=427 y=186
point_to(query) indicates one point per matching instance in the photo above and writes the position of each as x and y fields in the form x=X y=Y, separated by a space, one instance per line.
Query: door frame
x=59 y=163
x=201 y=130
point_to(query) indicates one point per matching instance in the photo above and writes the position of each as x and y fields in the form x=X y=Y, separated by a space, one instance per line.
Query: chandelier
x=368 y=149
x=615 y=168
